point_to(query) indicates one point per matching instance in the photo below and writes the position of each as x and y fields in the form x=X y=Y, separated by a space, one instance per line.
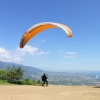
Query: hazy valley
x=58 y=78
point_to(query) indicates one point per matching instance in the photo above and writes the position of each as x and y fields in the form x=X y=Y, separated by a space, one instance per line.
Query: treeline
x=15 y=75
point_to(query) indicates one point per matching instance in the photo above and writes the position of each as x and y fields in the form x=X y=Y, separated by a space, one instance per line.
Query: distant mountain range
x=3 y=65
x=30 y=72
x=59 y=78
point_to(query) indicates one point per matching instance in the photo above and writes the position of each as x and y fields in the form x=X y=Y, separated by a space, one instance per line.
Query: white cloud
x=67 y=54
x=18 y=54
x=60 y=51
x=6 y=55
x=3 y=52
x=47 y=52
x=70 y=55
x=27 y=49
x=42 y=40
x=41 y=53
x=30 y=50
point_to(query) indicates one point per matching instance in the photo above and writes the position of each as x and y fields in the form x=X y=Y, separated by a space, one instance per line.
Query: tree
x=3 y=75
x=14 y=74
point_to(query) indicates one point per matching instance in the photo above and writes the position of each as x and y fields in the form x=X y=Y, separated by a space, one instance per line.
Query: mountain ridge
x=29 y=71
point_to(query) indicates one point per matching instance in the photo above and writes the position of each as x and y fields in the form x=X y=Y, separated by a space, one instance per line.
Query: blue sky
x=51 y=49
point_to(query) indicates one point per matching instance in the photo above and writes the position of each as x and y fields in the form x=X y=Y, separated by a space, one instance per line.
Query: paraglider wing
x=35 y=29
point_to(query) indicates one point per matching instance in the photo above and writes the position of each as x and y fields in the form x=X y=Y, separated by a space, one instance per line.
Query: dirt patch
x=52 y=92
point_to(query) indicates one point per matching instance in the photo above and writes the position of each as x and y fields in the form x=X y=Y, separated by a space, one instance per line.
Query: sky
x=51 y=50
